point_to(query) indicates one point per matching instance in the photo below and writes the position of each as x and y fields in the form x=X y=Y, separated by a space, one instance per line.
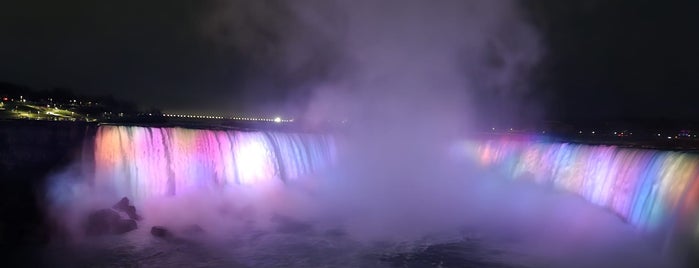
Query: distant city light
x=275 y=119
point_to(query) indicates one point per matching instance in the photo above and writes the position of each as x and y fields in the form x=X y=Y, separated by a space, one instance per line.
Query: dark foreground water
x=553 y=230
x=275 y=250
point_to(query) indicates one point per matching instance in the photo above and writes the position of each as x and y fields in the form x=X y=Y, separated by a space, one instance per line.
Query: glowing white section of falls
x=142 y=162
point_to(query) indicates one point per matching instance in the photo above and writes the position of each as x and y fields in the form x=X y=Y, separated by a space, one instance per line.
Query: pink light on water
x=650 y=189
x=141 y=162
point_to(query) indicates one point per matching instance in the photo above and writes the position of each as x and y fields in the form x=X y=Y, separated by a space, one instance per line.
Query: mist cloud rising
x=468 y=60
x=411 y=78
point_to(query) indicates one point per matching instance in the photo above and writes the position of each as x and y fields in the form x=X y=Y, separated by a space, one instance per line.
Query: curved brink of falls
x=141 y=162
x=656 y=191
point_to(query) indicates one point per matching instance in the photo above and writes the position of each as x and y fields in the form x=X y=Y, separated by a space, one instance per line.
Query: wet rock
x=124 y=206
x=193 y=229
x=109 y=221
x=131 y=211
x=124 y=226
x=101 y=222
x=160 y=231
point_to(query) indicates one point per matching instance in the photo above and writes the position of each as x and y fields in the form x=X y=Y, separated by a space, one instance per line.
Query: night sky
x=621 y=59
x=603 y=59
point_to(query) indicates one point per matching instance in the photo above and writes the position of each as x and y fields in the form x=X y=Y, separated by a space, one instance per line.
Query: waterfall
x=656 y=191
x=149 y=161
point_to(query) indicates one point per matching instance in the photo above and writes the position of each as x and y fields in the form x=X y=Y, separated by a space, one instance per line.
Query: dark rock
x=101 y=222
x=124 y=226
x=193 y=229
x=160 y=231
x=108 y=221
x=123 y=206
x=131 y=211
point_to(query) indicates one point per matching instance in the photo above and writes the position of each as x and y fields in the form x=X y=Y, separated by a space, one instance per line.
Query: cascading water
x=142 y=162
x=247 y=190
x=656 y=191
x=650 y=189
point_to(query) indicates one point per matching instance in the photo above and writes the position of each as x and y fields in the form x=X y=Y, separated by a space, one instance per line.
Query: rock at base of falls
x=160 y=231
x=100 y=222
x=193 y=229
x=124 y=206
x=107 y=221
x=125 y=226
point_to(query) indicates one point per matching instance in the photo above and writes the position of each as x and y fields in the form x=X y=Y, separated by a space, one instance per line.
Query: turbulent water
x=276 y=249
x=270 y=199
x=587 y=237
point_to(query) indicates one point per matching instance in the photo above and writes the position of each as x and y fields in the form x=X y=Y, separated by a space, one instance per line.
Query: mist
x=408 y=78
x=411 y=79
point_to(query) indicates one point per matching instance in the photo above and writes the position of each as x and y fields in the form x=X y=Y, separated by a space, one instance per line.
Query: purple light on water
x=650 y=189
x=143 y=162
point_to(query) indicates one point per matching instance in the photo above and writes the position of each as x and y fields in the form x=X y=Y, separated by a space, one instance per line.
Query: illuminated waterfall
x=653 y=190
x=650 y=189
x=141 y=162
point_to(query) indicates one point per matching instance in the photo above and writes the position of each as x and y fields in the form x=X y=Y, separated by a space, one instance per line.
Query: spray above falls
x=422 y=63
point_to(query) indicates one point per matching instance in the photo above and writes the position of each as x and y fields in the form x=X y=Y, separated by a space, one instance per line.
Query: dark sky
x=603 y=58
x=621 y=59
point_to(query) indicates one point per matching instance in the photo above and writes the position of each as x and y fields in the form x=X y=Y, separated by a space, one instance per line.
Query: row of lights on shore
x=275 y=120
